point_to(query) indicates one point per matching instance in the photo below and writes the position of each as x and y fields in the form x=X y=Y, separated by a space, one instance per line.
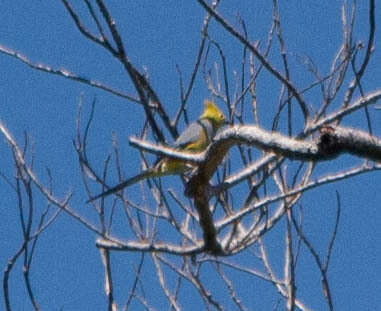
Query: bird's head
x=213 y=113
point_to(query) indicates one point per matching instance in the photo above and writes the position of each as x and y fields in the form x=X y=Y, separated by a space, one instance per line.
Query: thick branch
x=356 y=142
x=331 y=142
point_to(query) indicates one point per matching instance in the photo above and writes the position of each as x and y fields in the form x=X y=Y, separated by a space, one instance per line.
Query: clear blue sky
x=159 y=35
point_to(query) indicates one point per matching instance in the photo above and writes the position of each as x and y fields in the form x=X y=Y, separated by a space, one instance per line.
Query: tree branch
x=331 y=142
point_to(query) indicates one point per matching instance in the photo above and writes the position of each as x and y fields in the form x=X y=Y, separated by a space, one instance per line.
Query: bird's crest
x=213 y=113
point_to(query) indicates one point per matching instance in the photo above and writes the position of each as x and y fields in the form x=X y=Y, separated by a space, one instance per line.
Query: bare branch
x=143 y=246
x=261 y=58
x=66 y=74
x=108 y=285
x=331 y=142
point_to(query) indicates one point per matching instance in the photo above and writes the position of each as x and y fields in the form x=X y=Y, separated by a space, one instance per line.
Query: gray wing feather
x=191 y=133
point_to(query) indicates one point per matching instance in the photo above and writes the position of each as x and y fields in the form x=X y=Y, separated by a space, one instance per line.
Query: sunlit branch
x=144 y=246
x=275 y=198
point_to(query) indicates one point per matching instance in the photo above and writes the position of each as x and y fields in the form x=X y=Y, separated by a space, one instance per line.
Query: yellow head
x=213 y=114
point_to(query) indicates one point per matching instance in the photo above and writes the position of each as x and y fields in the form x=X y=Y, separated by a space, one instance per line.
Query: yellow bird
x=196 y=138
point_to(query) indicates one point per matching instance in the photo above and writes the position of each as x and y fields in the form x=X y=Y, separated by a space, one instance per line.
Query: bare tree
x=247 y=182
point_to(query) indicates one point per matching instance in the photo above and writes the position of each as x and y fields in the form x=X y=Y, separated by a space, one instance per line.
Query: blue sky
x=159 y=35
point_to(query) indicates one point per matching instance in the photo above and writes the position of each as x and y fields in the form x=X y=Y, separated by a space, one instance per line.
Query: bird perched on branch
x=195 y=138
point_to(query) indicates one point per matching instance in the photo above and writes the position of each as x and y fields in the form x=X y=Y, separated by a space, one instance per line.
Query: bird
x=195 y=138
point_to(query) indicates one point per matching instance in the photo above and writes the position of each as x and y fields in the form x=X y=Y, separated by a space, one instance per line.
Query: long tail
x=129 y=182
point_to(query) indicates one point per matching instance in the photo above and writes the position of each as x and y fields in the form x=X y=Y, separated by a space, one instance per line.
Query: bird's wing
x=190 y=135
x=197 y=133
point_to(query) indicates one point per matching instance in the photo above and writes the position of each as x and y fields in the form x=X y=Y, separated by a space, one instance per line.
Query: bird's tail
x=152 y=172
